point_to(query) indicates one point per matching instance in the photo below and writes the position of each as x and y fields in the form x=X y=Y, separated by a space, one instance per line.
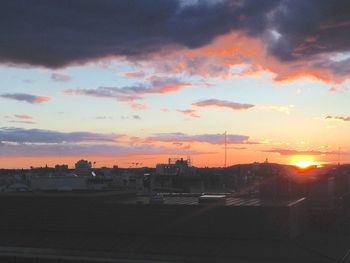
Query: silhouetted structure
x=83 y=168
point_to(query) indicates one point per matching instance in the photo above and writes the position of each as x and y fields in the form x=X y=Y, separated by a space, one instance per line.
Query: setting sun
x=303 y=161
x=304 y=164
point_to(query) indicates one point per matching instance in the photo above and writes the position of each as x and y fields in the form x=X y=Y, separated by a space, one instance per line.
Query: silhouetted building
x=174 y=167
x=83 y=168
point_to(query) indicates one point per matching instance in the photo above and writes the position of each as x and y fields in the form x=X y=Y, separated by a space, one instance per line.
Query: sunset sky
x=125 y=82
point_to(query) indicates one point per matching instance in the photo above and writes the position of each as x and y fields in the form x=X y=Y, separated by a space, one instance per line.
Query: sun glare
x=304 y=164
x=304 y=161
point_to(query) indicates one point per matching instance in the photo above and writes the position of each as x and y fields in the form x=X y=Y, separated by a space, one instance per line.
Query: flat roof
x=230 y=201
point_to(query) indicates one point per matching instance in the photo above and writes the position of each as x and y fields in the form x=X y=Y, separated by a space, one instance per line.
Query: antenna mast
x=225 y=149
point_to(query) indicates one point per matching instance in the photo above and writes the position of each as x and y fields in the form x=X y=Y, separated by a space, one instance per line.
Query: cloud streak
x=29 y=98
x=23 y=116
x=297 y=152
x=205 y=138
x=37 y=142
x=278 y=108
x=22 y=122
x=157 y=85
x=338 y=118
x=71 y=149
x=134 y=117
x=139 y=106
x=189 y=112
x=223 y=104
x=60 y=77
x=20 y=135
x=134 y=74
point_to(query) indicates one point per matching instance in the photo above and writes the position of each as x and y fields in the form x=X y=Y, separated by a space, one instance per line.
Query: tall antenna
x=225 y=149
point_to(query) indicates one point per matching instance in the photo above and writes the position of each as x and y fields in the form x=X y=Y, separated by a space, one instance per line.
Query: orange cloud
x=219 y=58
x=172 y=88
x=41 y=99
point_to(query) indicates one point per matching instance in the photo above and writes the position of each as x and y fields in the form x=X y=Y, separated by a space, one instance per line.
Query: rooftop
x=102 y=230
x=230 y=201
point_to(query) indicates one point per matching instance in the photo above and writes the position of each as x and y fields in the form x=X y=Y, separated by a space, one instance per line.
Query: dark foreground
x=89 y=228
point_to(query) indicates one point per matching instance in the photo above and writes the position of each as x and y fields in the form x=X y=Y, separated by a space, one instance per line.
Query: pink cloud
x=134 y=74
x=219 y=59
x=223 y=104
x=333 y=90
x=41 y=99
x=23 y=116
x=191 y=113
x=156 y=85
x=166 y=84
x=138 y=106
x=338 y=89
x=29 y=98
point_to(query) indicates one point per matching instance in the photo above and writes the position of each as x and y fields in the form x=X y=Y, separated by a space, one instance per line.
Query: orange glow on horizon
x=303 y=164
x=304 y=161
x=215 y=159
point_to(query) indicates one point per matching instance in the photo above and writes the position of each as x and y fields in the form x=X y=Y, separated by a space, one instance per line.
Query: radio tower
x=225 y=148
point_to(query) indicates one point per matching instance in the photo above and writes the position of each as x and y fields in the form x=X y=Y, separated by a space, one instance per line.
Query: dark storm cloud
x=58 y=32
x=340 y=68
x=307 y=28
